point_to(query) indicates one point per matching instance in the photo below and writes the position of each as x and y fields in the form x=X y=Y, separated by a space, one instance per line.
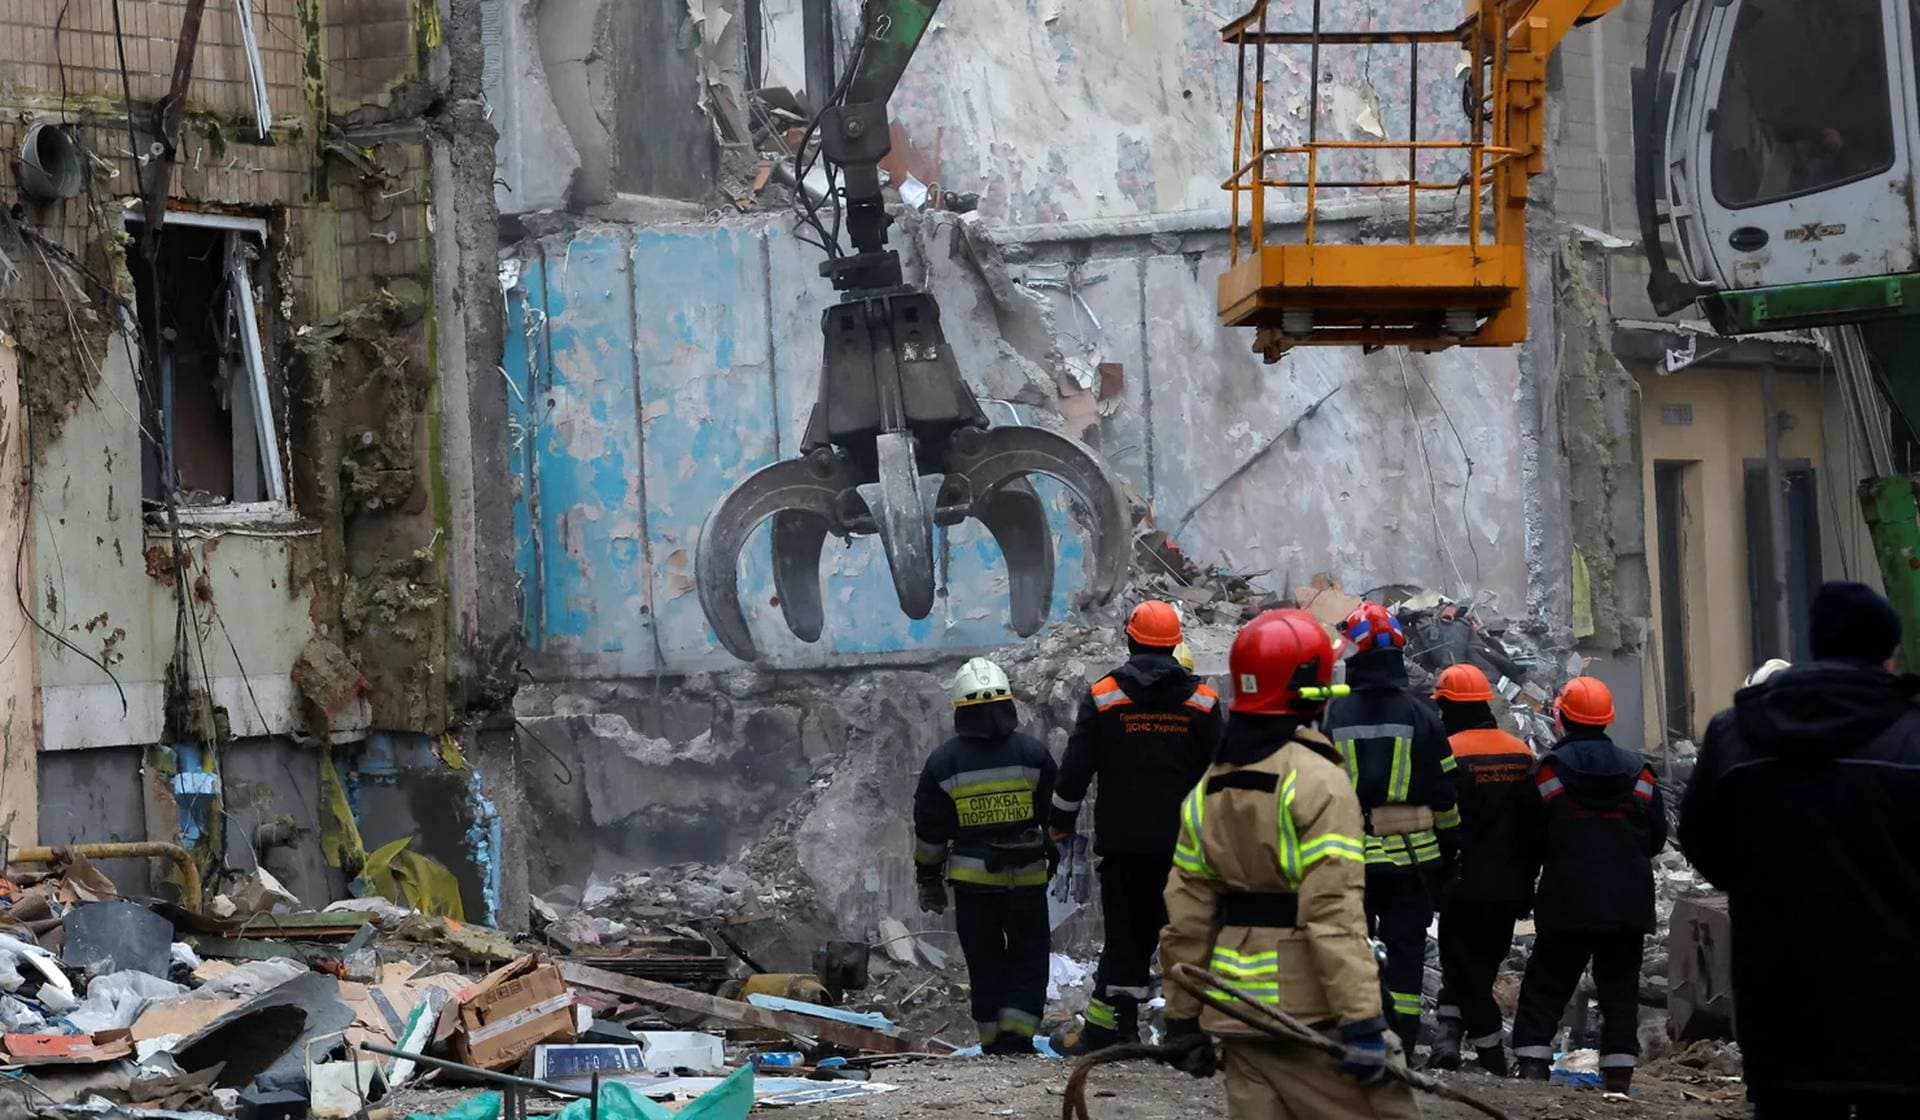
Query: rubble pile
x=643 y=986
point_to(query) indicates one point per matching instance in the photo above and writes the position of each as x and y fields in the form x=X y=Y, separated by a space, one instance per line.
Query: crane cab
x=1781 y=172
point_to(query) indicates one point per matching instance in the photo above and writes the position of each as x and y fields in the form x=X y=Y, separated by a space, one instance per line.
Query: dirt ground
x=1033 y=1088
x=1030 y=1089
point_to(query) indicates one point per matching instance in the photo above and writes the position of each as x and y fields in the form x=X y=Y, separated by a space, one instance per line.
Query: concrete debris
x=293 y=1035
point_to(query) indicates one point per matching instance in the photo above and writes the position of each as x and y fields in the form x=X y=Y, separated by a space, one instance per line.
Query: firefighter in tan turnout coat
x=1267 y=890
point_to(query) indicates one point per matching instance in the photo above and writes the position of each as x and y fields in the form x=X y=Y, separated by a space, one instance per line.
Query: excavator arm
x=897 y=443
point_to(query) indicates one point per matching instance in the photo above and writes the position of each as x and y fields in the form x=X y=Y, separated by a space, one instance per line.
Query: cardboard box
x=499 y=1020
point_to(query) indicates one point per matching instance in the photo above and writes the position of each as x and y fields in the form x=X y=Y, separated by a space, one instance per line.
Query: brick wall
x=374 y=45
x=34 y=55
x=59 y=63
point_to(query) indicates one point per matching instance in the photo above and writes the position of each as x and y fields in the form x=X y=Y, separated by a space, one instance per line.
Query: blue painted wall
x=652 y=369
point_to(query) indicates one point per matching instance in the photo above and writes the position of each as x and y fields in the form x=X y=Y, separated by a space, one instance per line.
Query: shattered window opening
x=210 y=390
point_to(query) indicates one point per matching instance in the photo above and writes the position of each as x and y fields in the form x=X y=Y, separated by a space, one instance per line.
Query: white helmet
x=979 y=681
x=1766 y=672
x=1183 y=653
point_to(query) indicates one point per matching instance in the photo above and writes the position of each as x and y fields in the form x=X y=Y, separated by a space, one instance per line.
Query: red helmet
x=1372 y=626
x=1462 y=682
x=1154 y=623
x=1282 y=664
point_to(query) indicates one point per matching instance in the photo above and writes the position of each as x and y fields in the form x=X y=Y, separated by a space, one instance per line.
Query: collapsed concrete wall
x=807 y=777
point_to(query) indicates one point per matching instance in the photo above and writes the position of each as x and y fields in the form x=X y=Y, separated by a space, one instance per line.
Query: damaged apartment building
x=468 y=312
x=260 y=605
x=1056 y=175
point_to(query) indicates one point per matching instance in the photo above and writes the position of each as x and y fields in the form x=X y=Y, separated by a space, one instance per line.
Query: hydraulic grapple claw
x=804 y=497
x=902 y=504
x=1018 y=522
x=992 y=459
x=896 y=443
x=825 y=493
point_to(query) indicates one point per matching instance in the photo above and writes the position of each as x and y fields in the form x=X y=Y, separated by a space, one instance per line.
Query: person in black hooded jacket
x=1594 y=829
x=1802 y=808
x=1145 y=733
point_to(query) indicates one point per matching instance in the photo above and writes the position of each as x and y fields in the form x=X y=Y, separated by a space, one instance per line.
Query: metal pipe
x=1413 y=140
x=1259 y=240
x=145 y=849
x=474 y=1071
x=819 y=49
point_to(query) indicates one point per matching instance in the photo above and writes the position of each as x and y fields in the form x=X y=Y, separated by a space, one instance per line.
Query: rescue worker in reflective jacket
x=1266 y=891
x=1493 y=882
x=1802 y=809
x=1396 y=755
x=1144 y=735
x=977 y=821
x=1593 y=827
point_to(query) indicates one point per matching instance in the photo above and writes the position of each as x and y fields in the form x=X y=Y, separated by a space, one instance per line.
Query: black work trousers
x=1005 y=937
x=1133 y=906
x=1559 y=958
x=1399 y=909
x=1475 y=938
x=1792 y=1104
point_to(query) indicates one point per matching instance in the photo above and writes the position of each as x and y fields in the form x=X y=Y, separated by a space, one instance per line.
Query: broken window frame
x=276 y=506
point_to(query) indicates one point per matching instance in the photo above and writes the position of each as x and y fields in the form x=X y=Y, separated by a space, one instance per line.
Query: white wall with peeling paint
x=249 y=602
x=1097 y=108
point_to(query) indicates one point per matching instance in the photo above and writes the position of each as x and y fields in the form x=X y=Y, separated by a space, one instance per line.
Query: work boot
x=1080 y=1038
x=1446 y=1045
x=1617 y=1080
x=1535 y=1069
x=1493 y=1059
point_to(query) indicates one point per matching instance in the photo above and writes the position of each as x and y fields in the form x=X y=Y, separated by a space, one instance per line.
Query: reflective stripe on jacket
x=1283 y=833
x=1144 y=734
x=1395 y=752
x=978 y=809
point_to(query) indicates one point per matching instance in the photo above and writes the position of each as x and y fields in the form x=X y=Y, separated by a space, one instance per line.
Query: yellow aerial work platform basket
x=1462 y=286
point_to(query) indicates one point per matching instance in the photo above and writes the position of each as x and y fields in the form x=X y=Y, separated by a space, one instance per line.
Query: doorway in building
x=1803 y=559
x=1673 y=526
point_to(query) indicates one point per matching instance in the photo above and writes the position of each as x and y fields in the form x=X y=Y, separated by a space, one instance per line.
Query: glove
x=1194 y=1049
x=1366 y=1058
x=933 y=896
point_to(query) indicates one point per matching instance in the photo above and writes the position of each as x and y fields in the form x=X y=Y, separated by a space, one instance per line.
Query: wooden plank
x=666 y=995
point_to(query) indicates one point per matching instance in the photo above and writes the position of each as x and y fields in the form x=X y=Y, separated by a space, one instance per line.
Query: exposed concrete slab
x=95 y=797
x=273 y=783
x=538 y=156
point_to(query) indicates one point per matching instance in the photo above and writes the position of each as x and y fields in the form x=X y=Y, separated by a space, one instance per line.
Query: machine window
x=1803 y=105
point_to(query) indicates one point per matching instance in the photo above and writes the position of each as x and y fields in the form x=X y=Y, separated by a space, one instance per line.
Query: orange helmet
x=1462 y=682
x=1587 y=701
x=1154 y=623
x=1281 y=663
